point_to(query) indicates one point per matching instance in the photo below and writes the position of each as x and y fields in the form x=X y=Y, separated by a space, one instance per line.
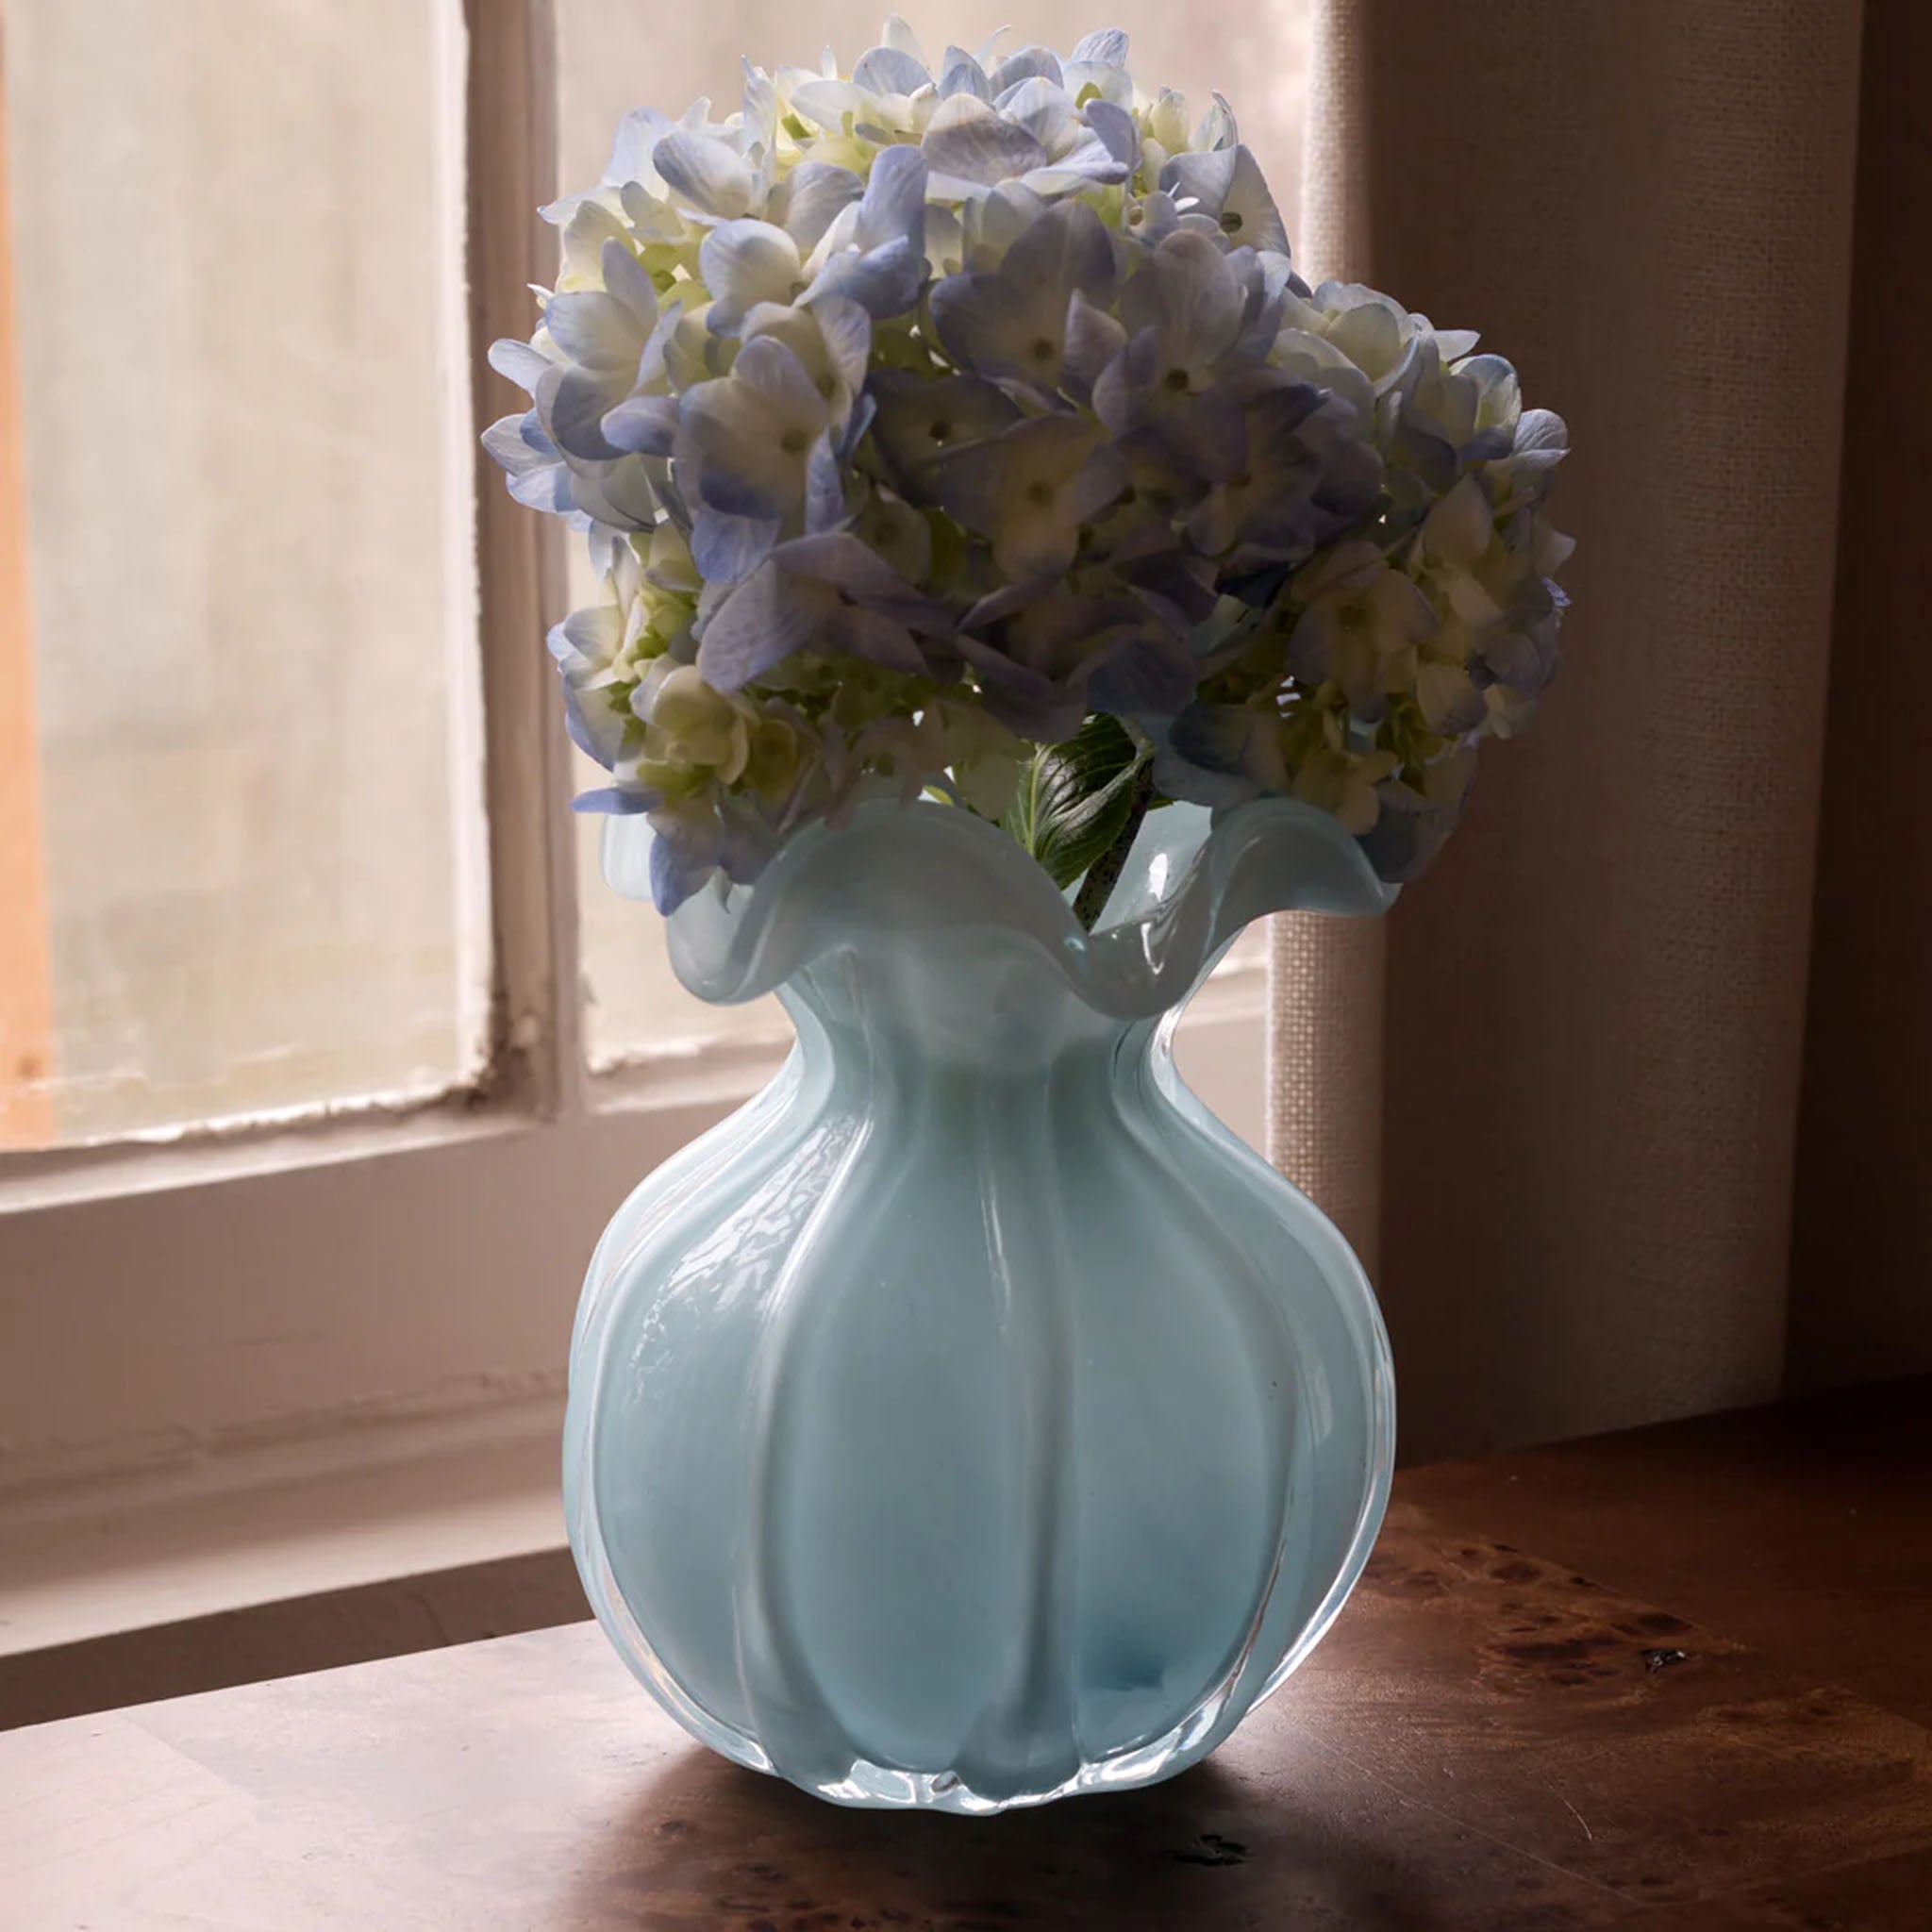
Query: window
x=245 y=653
x=324 y=1052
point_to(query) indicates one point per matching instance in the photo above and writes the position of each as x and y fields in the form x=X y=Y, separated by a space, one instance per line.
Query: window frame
x=184 y=1315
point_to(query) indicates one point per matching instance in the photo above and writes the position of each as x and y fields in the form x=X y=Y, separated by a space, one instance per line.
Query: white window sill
x=463 y=1495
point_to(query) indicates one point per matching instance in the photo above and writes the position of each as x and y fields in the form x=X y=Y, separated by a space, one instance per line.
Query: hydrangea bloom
x=919 y=414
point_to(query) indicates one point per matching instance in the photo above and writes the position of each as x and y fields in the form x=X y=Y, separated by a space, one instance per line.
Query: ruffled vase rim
x=895 y=871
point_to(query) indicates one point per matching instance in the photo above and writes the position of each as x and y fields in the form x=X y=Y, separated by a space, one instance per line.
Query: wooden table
x=1679 y=1678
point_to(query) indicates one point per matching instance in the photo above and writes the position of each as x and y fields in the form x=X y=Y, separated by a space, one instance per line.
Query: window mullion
x=536 y=1021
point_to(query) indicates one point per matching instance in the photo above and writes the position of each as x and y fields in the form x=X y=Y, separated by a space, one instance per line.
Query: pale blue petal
x=1217 y=128
x=1541 y=432
x=620 y=495
x=763 y=621
x=824 y=488
x=859 y=574
x=856 y=424
x=1105 y=48
x=638 y=135
x=1117 y=132
x=726 y=548
x=1147 y=675
x=893 y=205
x=1408 y=831
x=770 y=371
x=708 y=175
x=748 y=843
x=888 y=71
x=969 y=482
x=917 y=420
x=584 y=644
x=1021 y=698
x=646 y=426
x=625 y=277
x=743 y=263
x=518 y=362
x=1024 y=65
x=505 y=444
x=1122 y=389
x=960 y=73
x=618 y=800
x=594 y=727
x=1098 y=484
x=1188 y=294
x=872 y=635
x=575 y=405
x=982 y=148
x=682 y=858
x=1041 y=107
x=812 y=195
x=884 y=281
x=847 y=328
x=596 y=330
x=1067 y=248
x=973 y=316
x=827 y=102
x=1093 y=339
x=1086 y=166
x=1499 y=404
x=1218 y=739
x=546 y=488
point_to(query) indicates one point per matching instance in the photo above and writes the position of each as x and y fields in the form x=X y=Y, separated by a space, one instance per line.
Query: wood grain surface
x=1499 y=1732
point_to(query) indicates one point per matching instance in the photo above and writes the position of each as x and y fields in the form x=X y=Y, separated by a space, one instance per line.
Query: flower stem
x=1104 y=873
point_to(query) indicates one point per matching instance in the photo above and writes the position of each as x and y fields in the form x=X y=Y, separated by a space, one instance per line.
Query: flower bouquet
x=1016 y=578
x=965 y=432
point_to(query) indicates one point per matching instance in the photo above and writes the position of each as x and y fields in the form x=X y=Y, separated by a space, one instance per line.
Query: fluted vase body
x=972 y=1420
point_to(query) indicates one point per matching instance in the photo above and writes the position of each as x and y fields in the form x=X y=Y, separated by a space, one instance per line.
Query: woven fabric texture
x=1557 y=1097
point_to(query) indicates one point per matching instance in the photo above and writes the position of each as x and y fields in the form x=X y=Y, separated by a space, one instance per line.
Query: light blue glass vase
x=971 y=1419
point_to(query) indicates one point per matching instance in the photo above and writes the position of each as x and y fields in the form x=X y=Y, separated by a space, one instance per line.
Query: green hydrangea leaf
x=1073 y=799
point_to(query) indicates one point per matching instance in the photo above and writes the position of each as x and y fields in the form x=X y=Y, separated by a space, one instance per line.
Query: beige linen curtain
x=1603 y=1157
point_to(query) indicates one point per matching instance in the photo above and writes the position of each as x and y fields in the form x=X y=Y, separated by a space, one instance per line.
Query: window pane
x=634 y=1007
x=252 y=824
x=615 y=55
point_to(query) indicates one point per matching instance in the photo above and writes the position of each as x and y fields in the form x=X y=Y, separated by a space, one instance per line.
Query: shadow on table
x=708 y=1844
